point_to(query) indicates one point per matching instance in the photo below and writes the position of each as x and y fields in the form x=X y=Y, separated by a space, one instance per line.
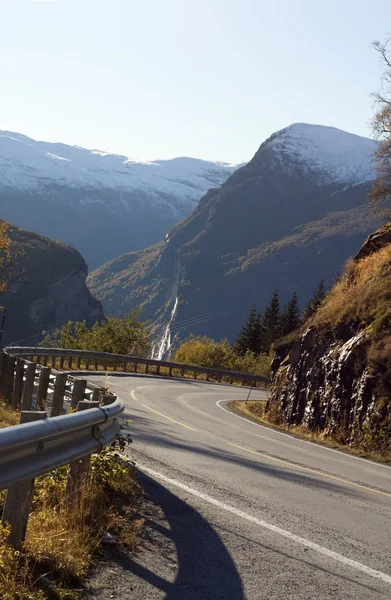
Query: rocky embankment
x=335 y=374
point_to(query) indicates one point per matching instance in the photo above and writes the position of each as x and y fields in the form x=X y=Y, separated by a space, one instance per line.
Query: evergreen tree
x=250 y=336
x=271 y=323
x=315 y=302
x=290 y=317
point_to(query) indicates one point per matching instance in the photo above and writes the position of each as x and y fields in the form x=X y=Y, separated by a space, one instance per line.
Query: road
x=253 y=513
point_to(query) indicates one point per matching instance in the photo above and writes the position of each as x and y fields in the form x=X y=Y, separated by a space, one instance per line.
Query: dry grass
x=362 y=294
x=8 y=415
x=255 y=410
x=63 y=536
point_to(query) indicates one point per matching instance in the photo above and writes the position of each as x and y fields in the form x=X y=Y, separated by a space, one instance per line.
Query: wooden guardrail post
x=18 y=501
x=58 y=394
x=18 y=383
x=27 y=397
x=9 y=378
x=78 y=469
x=79 y=389
x=43 y=386
x=3 y=370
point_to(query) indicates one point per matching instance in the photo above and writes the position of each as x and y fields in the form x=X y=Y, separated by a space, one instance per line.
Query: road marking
x=282 y=532
x=133 y=394
x=369 y=462
x=320 y=473
x=168 y=418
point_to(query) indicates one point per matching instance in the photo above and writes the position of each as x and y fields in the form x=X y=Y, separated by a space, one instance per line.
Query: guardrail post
x=3 y=370
x=9 y=378
x=182 y=372
x=195 y=374
x=27 y=397
x=108 y=399
x=58 y=394
x=79 y=362
x=96 y=394
x=79 y=389
x=78 y=469
x=18 y=501
x=43 y=386
x=135 y=367
x=45 y=360
x=18 y=384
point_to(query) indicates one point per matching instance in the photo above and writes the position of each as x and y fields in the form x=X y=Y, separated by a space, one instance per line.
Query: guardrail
x=92 y=360
x=40 y=444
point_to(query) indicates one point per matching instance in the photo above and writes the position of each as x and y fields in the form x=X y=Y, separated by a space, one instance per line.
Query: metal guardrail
x=40 y=444
x=93 y=359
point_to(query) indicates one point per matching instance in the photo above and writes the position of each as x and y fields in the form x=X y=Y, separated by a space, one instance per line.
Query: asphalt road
x=250 y=512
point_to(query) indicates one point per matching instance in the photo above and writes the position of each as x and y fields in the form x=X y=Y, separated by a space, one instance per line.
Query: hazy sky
x=204 y=78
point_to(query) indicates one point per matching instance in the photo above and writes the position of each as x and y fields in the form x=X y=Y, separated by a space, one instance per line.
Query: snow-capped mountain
x=336 y=156
x=104 y=204
x=290 y=217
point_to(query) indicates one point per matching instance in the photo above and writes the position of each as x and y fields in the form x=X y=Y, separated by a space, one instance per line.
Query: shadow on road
x=205 y=569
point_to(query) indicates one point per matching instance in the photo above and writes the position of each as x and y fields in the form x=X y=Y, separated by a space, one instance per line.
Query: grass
x=255 y=410
x=8 y=415
x=63 y=535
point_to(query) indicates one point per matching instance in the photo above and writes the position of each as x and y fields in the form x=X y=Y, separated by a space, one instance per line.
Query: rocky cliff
x=46 y=289
x=334 y=376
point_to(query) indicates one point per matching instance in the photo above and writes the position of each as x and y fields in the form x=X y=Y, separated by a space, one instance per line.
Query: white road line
x=282 y=532
x=369 y=462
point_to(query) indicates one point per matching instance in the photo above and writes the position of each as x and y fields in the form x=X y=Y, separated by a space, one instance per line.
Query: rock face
x=47 y=288
x=290 y=217
x=103 y=204
x=334 y=376
x=324 y=383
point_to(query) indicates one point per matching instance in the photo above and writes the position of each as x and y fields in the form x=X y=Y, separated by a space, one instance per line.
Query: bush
x=206 y=352
x=126 y=335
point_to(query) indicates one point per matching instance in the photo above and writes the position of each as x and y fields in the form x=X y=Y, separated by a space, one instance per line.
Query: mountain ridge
x=273 y=223
x=102 y=204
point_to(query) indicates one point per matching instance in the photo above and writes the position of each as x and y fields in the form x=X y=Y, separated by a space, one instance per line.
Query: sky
x=212 y=79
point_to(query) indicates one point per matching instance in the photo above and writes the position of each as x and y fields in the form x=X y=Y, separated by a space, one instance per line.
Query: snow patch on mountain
x=27 y=164
x=334 y=155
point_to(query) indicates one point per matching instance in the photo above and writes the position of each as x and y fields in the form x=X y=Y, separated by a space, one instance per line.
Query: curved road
x=261 y=514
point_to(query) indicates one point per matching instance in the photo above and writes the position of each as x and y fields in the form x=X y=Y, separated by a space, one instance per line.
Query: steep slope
x=103 y=204
x=47 y=288
x=288 y=218
x=335 y=374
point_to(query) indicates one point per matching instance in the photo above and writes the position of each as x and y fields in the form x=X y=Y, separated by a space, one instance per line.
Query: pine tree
x=271 y=323
x=250 y=336
x=290 y=317
x=315 y=302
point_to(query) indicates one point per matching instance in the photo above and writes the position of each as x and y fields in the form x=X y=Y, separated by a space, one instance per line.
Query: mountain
x=290 y=217
x=334 y=374
x=103 y=204
x=47 y=288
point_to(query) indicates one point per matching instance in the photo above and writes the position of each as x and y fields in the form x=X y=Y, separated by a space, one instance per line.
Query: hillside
x=288 y=218
x=47 y=288
x=335 y=374
x=103 y=204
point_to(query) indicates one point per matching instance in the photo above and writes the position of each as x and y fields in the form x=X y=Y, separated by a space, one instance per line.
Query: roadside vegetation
x=62 y=538
x=256 y=411
x=126 y=335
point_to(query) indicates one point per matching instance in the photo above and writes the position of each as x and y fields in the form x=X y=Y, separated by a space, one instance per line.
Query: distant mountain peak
x=334 y=155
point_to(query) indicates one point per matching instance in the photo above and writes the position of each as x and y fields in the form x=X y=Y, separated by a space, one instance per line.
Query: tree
x=126 y=335
x=290 y=317
x=381 y=125
x=250 y=336
x=315 y=302
x=271 y=323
